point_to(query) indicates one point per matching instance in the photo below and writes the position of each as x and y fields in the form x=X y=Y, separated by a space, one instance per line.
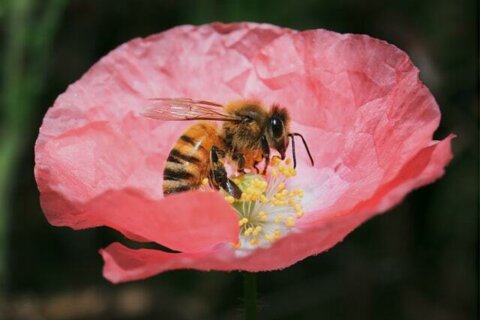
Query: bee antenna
x=292 y=135
x=293 y=151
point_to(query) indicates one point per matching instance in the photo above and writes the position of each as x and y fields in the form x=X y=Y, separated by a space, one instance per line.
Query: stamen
x=289 y=222
x=267 y=209
x=230 y=199
x=242 y=221
x=248 y=232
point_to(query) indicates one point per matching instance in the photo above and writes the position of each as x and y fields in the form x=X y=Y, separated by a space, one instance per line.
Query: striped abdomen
x=189 y=160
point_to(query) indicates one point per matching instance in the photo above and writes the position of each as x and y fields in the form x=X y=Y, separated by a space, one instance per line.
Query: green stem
x=250 y=295
x=27 y=47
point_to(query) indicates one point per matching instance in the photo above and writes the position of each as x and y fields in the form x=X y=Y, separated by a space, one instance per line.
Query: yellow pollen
x=248 y=232
x=205 y=181
x=256 y=231
x=263 y=199
x=230 y=199
x=262 y=216
x=242 y=221
x=289 y=222
x=279 y=196
x=266 y=204
x=275 y=160
x=277 y=234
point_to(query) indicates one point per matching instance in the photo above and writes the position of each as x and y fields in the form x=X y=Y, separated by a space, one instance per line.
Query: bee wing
x=187 y=109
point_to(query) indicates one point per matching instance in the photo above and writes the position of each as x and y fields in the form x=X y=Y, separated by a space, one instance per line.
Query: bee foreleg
x=265 y=153
x=255 y=166
x=218 y=175
x=240 y=159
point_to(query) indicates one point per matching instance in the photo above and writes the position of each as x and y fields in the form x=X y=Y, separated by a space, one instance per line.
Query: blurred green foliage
x=416 y=262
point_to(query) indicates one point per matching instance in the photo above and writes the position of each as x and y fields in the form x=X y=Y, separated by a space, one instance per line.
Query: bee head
x=277 y=129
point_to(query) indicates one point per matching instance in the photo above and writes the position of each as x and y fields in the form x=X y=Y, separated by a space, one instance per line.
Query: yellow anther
x=276 y=202
x=263 y=199
x=275 y=160
x=277 y=234
x=248 y=232
x=242 y=221
x=299 y=214
x=205 y=181
x=297 y=207
x=262 y=216
x=279 y=196
x=257 y=191
x=289 y=222
x=230 y=199
x=256 y=231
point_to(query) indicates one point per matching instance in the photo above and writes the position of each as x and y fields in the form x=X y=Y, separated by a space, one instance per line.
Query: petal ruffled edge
x=125 y=264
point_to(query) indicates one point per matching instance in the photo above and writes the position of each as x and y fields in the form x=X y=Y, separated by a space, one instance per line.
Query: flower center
x=268 y=209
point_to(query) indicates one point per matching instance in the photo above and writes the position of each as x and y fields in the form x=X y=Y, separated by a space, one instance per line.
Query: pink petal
x=185 y=222
x=351 y=86
x=124 y=264
x=89 y=177
x=358 y=102
x=95 y=148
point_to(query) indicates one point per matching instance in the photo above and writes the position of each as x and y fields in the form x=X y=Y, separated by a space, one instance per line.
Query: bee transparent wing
x=183 y=109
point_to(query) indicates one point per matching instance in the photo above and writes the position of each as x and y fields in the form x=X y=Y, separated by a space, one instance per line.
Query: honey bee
x=247 y=133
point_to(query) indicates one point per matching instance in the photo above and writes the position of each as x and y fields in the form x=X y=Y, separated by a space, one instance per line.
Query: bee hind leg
x=218 y=175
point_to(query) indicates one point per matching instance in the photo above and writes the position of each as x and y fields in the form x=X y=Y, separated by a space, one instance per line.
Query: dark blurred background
x=419 y=261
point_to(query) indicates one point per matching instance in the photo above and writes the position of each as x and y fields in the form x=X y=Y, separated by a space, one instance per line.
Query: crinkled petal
x=124 y=264
x=94 y=146
x=184 y=222
x=358 y=101
x=89 y=177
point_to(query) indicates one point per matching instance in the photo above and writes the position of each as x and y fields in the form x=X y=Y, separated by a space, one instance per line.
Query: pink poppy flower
x=368 y=120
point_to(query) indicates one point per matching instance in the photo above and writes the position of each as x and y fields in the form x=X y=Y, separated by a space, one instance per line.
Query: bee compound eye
x=277 y=127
